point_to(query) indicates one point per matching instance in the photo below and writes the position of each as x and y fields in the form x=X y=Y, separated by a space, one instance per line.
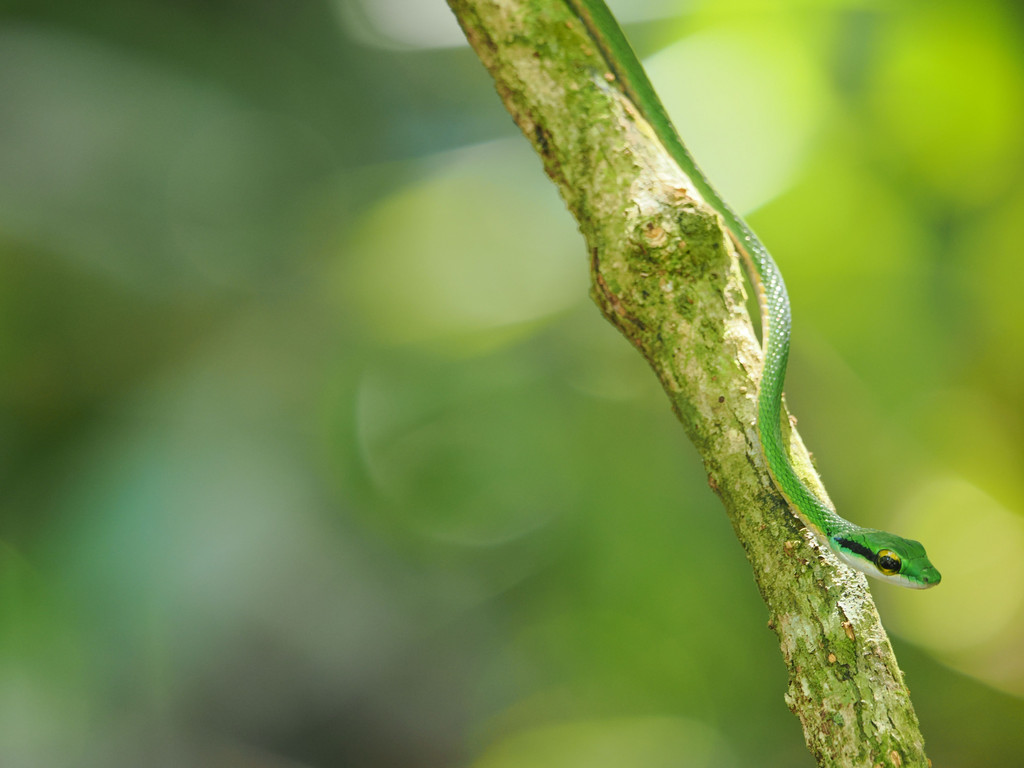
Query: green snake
x=876 y=553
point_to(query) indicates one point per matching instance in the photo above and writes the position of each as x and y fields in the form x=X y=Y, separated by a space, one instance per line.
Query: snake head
x=886 y=556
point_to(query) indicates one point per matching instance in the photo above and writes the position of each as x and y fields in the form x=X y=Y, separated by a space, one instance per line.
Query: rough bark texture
x=664 y=272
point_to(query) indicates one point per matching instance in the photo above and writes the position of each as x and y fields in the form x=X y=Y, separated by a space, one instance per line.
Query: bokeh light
x=316 y=453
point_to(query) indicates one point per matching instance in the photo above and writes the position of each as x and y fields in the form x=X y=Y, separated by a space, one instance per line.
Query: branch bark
x=665 y=274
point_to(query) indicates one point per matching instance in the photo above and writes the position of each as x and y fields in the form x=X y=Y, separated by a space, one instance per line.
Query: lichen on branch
x=664 y=272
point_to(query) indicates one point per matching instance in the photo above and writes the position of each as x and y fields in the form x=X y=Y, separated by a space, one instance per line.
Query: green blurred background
x=316 y=453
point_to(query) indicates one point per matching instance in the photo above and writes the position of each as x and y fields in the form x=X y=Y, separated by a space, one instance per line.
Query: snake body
x=876 y=553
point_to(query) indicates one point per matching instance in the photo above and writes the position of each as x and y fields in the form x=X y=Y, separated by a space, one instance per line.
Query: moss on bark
x=664 y=272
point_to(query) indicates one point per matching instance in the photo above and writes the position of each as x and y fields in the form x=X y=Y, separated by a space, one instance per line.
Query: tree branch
x=664 y=272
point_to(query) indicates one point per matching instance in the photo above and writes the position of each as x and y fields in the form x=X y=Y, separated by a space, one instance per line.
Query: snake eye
x=888 y=562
